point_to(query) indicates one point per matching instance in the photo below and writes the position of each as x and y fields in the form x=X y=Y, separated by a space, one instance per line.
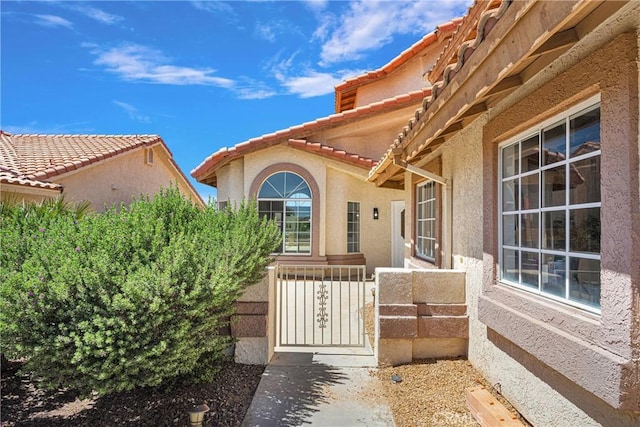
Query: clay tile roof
x=472 y=30
x=475 y=26
x=345 y=91
x=8 y=177
x=331 y=152
x=42 y=157
x=224 y=155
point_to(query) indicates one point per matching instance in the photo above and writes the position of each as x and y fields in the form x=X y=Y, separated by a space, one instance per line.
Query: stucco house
x=528 y=148
x=104 y=170
x=517 y=186
x=312 y=177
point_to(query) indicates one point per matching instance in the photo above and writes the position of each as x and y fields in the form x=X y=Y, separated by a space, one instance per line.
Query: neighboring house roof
x=8 y=177
x=36 y=160
x=345 y=92
x=204 y=172
x=497 y=67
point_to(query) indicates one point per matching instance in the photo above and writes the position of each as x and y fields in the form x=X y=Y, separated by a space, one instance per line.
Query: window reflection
x=585 y=230
x=554 y=144
x=550 y=212
x=553 y=227
x=553 y=183
x=286 y=198
x=584 y=133
x=587 y=188
x=584 y=285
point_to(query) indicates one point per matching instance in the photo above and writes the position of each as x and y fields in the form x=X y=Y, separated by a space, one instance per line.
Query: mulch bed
x=229 y=397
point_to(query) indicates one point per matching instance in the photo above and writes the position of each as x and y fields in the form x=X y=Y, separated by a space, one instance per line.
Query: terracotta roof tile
x=216 y=159
x=45 y=156
x=33 y=160
x=7 y=177
x=490 y=12
x=442 y=30
x=328 y=151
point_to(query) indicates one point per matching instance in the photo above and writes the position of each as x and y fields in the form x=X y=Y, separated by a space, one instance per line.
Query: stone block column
x=419 y=314
x=253 y=324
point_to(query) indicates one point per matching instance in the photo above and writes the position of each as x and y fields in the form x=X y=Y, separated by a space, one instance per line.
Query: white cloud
x=249 y=93
x=301 y=79
x=266 y=32
x=97 y=14
x=312 y=84
x=368 y=25
x=213 y=6
x=35 y=128
x=132 y=112
x=53 y=21
x=137 y=63
x=316 y=5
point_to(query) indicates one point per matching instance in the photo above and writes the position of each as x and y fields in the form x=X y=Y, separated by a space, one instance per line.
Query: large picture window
x=353 y=227
x=286 y=198
x=426 y=221
x=550 y=210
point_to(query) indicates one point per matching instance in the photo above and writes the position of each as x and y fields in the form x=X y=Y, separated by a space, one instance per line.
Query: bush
x=130 y=298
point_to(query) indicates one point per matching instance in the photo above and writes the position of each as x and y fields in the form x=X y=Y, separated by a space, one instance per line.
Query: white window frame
x=426 y=221
x=583 y=107
x=283 y=223
x=353 y=237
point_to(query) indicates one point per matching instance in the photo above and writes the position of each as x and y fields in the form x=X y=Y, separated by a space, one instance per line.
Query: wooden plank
x=560 y=40
x=488 y=411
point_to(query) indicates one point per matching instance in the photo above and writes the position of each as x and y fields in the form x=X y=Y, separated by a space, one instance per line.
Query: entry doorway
x=397 y=233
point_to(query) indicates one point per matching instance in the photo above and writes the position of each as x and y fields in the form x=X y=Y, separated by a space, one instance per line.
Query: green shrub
x=130 y=298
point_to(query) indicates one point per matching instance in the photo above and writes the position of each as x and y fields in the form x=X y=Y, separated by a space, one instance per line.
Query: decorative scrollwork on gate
x=323 y=296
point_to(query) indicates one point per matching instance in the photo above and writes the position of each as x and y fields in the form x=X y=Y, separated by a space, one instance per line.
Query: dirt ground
x=229 y=397
x=431 y=393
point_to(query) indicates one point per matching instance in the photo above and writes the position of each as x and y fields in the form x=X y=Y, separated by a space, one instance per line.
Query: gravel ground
x=431 y=392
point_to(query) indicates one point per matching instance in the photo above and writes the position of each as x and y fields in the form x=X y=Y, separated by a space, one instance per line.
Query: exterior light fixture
x=196 y=415
x=375 y=213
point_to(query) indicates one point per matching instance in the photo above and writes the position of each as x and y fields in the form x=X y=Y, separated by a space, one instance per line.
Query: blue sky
x=201 y=74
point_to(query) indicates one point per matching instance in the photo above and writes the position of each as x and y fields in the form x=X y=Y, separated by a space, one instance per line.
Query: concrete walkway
x=327 y=390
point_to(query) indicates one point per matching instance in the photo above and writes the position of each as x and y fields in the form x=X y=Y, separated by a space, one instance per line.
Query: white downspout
x=447 y=206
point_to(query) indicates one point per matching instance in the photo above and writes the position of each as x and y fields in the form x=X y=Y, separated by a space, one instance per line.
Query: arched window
x=286 y=198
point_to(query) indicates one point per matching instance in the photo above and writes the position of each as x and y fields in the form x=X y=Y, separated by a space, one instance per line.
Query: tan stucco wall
x=231 y=182
x=120 y=178
x=407 y=78
x=368 y=137
x=25 y=194
x=345 y=188
x=337 y=184
x=589 y=362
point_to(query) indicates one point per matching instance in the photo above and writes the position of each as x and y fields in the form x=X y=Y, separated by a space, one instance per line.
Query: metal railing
x=321 y=305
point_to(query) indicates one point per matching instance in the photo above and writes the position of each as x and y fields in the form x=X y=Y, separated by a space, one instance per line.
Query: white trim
x=359 y=223
x=284 y=222
x=536 y=131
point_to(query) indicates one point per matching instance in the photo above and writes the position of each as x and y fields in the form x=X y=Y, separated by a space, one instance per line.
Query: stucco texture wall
x=374 y=243
x=407 y=78
x=337 y=184
x=118 y=179
x=541 y=393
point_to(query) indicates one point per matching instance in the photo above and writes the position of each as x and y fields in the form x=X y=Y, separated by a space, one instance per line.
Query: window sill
x=561 y=338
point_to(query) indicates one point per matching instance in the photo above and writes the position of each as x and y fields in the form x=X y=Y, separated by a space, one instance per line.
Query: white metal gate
x=321 y=305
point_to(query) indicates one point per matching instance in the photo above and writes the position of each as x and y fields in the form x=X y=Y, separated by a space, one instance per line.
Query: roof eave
x=205 y=172
x=448 y=110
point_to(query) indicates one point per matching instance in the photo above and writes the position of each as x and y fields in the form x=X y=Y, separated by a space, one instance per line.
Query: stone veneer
x=419 y=314
x=253 y=324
